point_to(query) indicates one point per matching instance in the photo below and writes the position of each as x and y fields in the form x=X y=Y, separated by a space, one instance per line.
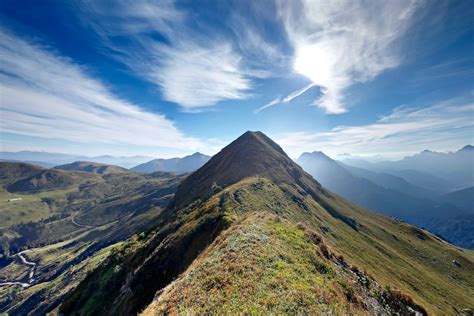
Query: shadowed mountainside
x=439 y=172
x=393 y=196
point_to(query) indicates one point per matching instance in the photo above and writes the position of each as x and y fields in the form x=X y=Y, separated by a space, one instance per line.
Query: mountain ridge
x=178 y=165
x=93 y=167
x=48 y=159
x=197 y=245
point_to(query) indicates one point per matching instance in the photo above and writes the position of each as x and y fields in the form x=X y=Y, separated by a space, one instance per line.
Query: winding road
x=31 y=274
x=73 y=220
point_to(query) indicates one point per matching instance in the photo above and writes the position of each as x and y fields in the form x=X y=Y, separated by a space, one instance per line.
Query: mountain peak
x=253 y=154
x=314 y=154
x=467 y=148
x=196 y=154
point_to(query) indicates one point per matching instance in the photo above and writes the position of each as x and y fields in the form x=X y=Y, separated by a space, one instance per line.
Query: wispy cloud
x=47 y=95
x=195 y=76
x=339 y=43
x=269 y=104
x=193 y=68
x=286 y=99
x=405 y=130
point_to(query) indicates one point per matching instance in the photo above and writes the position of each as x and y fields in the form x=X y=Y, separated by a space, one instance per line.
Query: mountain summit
x=251 y=155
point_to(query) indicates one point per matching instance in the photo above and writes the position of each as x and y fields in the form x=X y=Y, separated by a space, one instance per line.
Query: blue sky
x=168 y=78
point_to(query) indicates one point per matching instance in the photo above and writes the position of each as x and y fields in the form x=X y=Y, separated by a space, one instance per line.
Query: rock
x=325 y=229
x=467 y=311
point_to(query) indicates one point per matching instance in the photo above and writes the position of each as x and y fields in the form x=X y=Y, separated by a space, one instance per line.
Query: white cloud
x=269 y=104
x=195 y=77
x=193 y=69
x=297 y=93
x=339 y=43
x=286 y=99
x=130 y=18
x=447 y=125
x=46 y=95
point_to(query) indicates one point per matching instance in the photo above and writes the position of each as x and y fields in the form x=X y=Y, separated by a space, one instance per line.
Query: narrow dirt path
x=73 y=220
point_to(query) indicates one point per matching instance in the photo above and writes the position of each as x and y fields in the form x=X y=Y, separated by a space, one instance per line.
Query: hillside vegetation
x=68 y=230
x=252 y=214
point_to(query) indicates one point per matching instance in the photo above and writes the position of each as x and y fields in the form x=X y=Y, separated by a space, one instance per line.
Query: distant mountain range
x=48 y=160
x=141 y=164
x=395 y=196
x=177 y=165
x=429 y=169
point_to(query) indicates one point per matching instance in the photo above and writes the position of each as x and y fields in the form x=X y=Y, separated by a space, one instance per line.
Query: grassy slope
x=44 y=217
x=39 y=198
x=31 y=207
x=394 y=253
x=114 y=206
x=261 y=264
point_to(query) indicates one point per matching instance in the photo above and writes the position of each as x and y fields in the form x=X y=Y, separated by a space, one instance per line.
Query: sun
x=316 y=62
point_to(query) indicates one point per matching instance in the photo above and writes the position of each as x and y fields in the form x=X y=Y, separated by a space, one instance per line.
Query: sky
x=169 y=78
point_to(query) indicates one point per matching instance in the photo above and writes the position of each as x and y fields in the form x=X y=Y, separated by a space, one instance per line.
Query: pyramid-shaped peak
x=253 y=154
x=253 y=136
x=258 y=138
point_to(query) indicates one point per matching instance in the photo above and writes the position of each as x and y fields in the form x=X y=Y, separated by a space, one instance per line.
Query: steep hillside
x=18 y=177
x=251 y=232
x=179 y=165
x=392 y=196
x=93 y=167
x=48 y=180
x=13 y=171
x=266 y=263
x=69 y=231
x=464 y=199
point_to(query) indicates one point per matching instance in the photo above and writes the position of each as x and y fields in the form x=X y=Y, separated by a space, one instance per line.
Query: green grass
x=260 y=265
x=116 y=206
x=31 y=207
x=389 y=251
